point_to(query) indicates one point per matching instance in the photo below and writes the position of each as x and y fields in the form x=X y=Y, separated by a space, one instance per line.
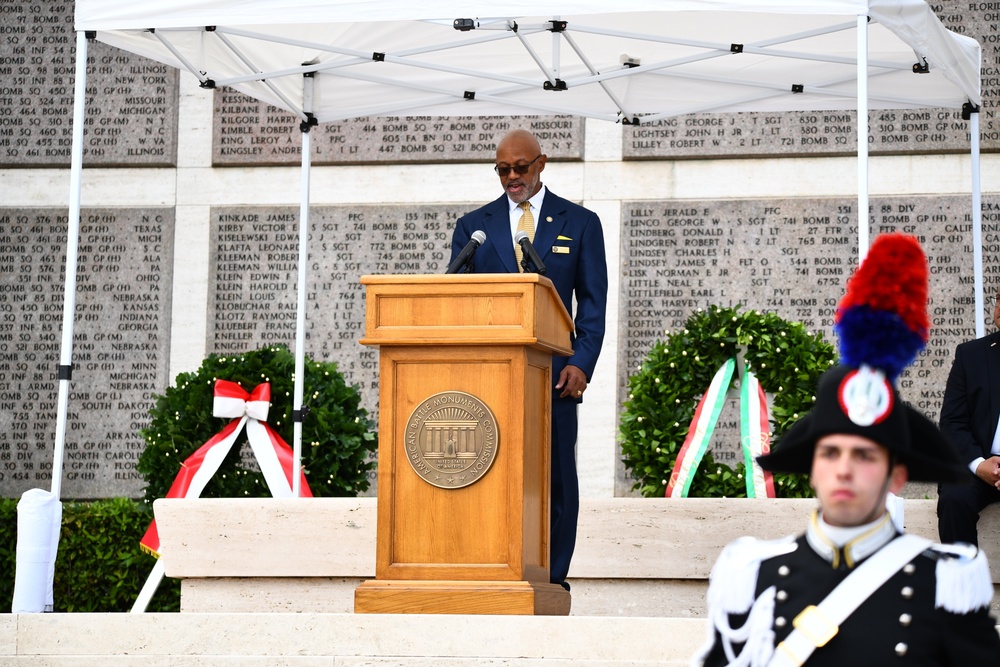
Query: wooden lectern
x=465 y=386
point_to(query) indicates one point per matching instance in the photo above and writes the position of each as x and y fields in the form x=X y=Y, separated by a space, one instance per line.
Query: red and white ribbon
x=273 y=454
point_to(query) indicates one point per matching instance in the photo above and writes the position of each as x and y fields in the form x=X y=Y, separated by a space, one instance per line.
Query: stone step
x=343 y=640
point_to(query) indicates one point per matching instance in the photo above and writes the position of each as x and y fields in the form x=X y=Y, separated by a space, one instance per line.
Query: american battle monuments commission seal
x=451 y=439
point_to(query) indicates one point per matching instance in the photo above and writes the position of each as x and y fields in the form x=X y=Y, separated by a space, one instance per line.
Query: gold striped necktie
x=527 y=225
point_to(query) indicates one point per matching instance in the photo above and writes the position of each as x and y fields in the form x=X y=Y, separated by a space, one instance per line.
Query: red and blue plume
x=882 y=319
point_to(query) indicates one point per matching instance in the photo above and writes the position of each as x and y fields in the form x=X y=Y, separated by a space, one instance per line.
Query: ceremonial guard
x=852 y=590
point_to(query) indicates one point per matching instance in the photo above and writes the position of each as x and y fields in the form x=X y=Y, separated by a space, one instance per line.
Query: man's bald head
x=520 y=150
x=521 y=140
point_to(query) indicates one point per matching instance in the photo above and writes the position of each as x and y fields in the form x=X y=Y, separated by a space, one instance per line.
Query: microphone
x=468 y=251
x=521 y=238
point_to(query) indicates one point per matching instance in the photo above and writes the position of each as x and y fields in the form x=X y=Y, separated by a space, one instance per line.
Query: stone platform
x=634 y=556
x=638 y=579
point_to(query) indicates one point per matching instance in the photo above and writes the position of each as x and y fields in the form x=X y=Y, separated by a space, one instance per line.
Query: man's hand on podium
x=572 y=381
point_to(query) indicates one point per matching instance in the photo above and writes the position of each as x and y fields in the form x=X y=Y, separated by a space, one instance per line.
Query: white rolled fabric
x=39 y=518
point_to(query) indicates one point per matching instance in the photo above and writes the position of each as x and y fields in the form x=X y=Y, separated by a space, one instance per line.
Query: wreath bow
x=233 y=402
x=273 y=454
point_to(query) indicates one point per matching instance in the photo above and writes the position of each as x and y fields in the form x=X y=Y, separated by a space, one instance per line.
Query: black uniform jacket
x=899 y=624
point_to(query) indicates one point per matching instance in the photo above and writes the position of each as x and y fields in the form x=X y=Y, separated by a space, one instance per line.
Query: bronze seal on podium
x=451 y=439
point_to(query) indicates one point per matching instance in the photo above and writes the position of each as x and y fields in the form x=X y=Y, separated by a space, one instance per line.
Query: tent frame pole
x=72 y=250
x=38 y=531
x=308 y=88
x=977 y=223
x=863 y=129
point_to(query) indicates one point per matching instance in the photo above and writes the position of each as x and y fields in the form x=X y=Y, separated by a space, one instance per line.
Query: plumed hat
x=882 y=325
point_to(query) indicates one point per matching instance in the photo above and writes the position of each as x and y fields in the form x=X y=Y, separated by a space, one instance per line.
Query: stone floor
x=343 y=640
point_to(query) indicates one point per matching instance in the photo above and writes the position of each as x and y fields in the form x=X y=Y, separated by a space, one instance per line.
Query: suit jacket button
x=907 y=592
x=901 y=649
x=905 y=620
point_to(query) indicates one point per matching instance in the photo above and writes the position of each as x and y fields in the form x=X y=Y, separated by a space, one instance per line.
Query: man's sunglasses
x=519 y=169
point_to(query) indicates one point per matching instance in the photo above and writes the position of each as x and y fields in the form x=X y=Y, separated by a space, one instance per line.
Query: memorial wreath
x=694 y=366
x=338 y=438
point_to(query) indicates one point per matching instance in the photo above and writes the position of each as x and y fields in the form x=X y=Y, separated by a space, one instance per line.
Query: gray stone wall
x=131 y=114
x=121 y=345
x=195 y=192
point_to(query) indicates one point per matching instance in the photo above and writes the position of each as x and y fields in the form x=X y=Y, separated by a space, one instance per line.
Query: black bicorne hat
x=861 y=401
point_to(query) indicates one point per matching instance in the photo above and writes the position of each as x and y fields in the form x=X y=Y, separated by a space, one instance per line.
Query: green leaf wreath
x=664 y=392
x=338 y=438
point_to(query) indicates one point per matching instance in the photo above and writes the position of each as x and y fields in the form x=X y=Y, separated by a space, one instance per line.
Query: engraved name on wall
x=786 y=134
x=253 y=277
x=248 y=131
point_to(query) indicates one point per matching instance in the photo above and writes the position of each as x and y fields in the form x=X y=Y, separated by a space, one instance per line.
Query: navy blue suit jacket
x=570 y=242
x=971 y=404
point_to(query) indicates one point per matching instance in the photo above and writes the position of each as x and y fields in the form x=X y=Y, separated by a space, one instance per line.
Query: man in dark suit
x=969 y=417
x=570 y=242
x=852 y=590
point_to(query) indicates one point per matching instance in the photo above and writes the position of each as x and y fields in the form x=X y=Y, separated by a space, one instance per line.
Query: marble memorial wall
x=253 y=277
x=248 y=131
x=131 y=101
x=793 y=257
x=121 y=345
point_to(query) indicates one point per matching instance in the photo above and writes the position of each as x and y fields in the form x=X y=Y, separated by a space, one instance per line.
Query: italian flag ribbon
x=753 y=430
x=700 y=432
x=273 y=454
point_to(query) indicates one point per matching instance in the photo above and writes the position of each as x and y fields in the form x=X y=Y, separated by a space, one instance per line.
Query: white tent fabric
x=657 y=58
x=327 y=60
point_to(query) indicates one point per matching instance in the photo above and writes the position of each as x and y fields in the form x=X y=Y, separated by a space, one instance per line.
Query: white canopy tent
x=326 y=60
x=658 y=58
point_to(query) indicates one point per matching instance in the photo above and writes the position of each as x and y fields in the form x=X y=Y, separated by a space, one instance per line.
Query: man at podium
x=568 y=241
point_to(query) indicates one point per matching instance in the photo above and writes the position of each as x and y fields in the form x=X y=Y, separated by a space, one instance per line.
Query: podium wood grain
x=481 y=548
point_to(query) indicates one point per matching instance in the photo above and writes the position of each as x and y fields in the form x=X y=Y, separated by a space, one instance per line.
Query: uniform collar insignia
x=862 y=542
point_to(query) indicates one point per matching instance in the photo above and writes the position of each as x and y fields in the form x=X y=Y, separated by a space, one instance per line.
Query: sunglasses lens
x=520 y=169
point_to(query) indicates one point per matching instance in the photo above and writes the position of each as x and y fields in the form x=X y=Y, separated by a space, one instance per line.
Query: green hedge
x=100 y=567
